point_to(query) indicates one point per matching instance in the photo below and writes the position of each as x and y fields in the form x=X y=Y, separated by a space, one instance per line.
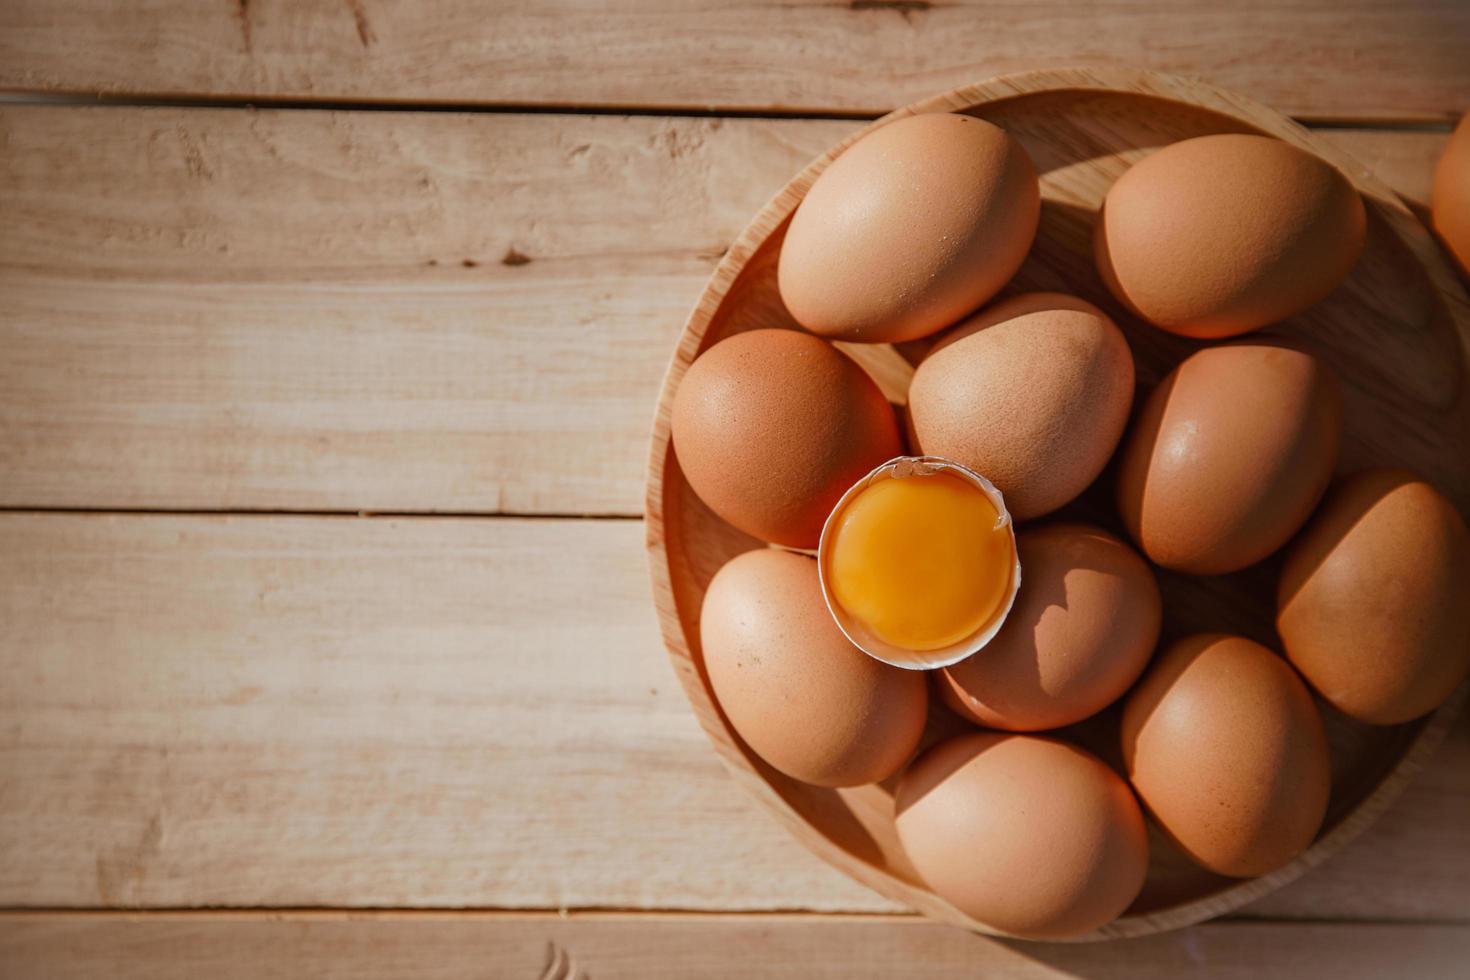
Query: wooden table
x=330 y=344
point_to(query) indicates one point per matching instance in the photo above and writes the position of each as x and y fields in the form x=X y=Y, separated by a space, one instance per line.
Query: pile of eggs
x=899 y=578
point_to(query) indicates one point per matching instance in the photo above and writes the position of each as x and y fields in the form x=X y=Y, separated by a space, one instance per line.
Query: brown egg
x=1375 y=598
x=1011 y=307
x=1032 y=394
x=1229 y=456
x=1450 y=206
x=912 y=227
x=1081 y=631
x=1218 y=235
x=772 y=426
x=1227 y=751
x=796 y=690
x=1031 y=836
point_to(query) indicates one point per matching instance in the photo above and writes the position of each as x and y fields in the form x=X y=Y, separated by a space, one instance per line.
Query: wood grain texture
x=350 y=712
x=1396 y=332
x=307 y=311
x=228 y=309
x=1316 y=57
x=260 y=711
x=461 y=946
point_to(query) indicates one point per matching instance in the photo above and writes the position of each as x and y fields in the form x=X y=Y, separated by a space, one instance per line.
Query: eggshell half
x=771 y=427
x=1230 y=454
x=1227 y=751
x=1218 y=235
x=904 y=468
x=1031 y=836
x=1375 y=598
x=1032 y=394
x=912 y=227
x=795 y=689
x=1082 y=629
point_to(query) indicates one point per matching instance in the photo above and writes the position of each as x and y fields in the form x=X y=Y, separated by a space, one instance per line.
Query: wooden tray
x=1397 y=332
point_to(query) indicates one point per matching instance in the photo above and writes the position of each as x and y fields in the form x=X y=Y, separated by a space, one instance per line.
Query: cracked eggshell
x=1228 y=457
x=1031 y=836
x=770 y=427
x=1450 y=201
x=910 y=228
x=1081 y=631
x=1226 y=749
x=916 y=468
x=1219 y=235
x=1033 y=392
x=795 y=689
x=1374 y=600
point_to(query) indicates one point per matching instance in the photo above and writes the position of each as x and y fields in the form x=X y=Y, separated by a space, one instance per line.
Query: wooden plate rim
x=1377 y=195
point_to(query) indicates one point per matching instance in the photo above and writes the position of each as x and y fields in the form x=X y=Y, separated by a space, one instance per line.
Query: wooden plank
x=1315 y=57
x=348 y=711
x=236 y=310
x=680 y=947
x=373 y=712
x=307 y=311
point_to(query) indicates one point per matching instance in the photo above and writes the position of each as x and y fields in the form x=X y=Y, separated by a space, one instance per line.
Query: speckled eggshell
x=1083 y=628
x=1450 y=201
x=771 y=427
x=1219 y=235
x=1374 y=602
x=1031 y=836
x=1227 y=751
x=796 y=690
x=912 y=227
x=1032 y=393
x=1228 y=457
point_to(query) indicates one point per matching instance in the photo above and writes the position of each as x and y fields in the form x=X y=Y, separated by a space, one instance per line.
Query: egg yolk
x=922 y=561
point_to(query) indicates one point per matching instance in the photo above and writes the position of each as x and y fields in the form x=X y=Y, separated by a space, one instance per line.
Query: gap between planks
x=24 y=97
x=266 y=512
x=1407 y=123
x=623 y=913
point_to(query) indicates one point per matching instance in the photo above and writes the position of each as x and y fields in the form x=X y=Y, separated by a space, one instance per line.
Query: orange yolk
x=921 y=561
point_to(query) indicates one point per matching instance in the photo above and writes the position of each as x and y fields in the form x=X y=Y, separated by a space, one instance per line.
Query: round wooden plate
x=1397 y=333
